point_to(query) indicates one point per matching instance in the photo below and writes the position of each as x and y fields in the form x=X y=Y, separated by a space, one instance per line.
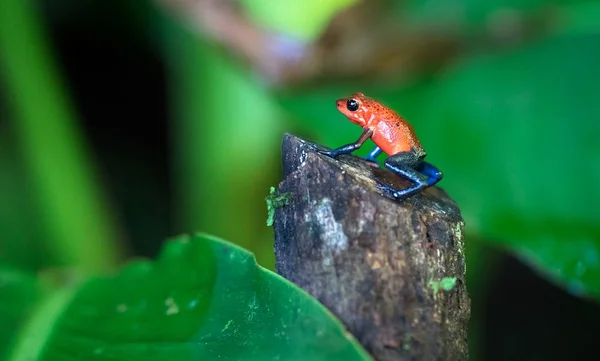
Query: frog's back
x=391 y=132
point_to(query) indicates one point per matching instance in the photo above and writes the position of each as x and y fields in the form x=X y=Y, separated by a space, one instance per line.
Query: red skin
x=392 y=133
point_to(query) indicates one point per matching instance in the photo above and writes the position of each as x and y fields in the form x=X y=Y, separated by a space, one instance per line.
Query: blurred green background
x=123 y=123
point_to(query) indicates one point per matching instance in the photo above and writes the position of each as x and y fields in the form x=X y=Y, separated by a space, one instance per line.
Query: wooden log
x=392 y=271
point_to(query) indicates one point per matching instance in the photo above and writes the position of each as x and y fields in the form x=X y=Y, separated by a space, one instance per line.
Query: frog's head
x=355 y=108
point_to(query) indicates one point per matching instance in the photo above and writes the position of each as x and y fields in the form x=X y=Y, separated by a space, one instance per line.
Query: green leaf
x=18 y=294
x=517 y=137
x=202 y=299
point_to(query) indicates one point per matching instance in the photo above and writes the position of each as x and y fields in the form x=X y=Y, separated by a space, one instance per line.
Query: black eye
x=352 y=105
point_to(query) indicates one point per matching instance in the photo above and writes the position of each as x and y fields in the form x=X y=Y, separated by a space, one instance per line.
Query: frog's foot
x=318 y=148
x=333 y=153
x=372 y=161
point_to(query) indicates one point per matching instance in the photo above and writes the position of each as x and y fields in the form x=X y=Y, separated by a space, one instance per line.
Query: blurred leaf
x=579 y=18
x=72 y=207
x=302 y=19
x=516 y=135
x=477 y=13
x=18 y=236
x=18 y=295
x=225 y=130
x=202 y=299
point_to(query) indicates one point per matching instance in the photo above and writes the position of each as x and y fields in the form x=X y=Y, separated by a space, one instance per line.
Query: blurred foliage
x=305 y=20
x=514 y=133
x=521 y=128
x=80 y=227
x=18 y=237
x=226 y=128
x=19 y=291
x=201 y=299
x=526 y=139
x=513 y=127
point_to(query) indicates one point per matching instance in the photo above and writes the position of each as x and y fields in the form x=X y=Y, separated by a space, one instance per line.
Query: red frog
x=393 y=135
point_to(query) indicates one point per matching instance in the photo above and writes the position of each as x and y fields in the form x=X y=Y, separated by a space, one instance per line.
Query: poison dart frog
x=394 y=136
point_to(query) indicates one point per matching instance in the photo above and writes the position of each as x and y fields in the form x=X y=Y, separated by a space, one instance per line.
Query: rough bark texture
x=376 y=263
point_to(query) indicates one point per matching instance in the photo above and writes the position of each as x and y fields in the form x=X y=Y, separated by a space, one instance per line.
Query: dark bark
x=376 y=263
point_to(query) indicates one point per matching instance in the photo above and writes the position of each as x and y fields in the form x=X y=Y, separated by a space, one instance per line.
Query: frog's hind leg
x=405 y=164
x=435 y=175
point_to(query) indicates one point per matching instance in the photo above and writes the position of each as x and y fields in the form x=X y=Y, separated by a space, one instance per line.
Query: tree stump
x=392 y=271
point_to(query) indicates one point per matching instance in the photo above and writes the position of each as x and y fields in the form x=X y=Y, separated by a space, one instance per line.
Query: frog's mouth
x=354 y=117
x=341 y=105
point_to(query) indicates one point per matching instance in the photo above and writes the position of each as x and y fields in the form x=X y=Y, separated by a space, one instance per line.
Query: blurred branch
x=375 y=40
x=224 y=22
x=81 y=230
x=362 y=41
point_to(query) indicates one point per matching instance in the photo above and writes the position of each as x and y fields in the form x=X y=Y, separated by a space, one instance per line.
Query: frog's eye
x=352 y=105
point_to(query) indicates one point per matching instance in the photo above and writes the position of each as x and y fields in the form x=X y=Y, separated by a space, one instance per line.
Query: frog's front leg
x=348 y=148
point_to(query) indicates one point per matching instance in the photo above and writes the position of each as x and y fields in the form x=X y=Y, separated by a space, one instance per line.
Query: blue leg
x=348 y=148
x=404 y=164
x=433 y=173
x=372 y=157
